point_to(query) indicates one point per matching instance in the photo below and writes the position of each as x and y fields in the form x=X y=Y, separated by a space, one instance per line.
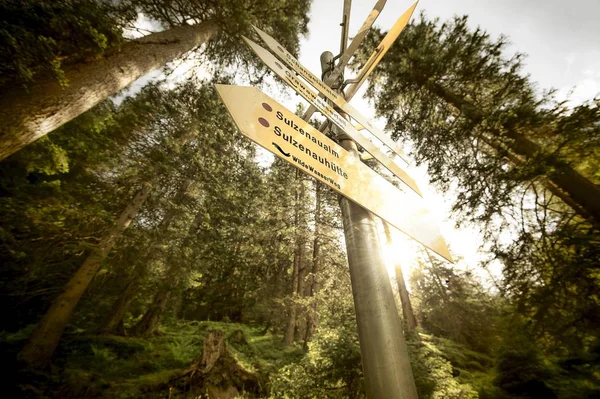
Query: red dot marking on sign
x=267 y=107
x=263 y=122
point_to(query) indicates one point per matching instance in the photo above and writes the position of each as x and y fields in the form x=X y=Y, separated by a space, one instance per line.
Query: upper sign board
x=360 y=35
x=383 y=48
x=286 y=135
x=327 y=110
x=328 y=92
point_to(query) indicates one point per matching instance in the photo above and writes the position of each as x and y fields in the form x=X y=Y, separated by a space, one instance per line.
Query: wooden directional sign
x=360 y=36
x=383 y=48
x=328 y=92
x=286 y=135
x=331 y=114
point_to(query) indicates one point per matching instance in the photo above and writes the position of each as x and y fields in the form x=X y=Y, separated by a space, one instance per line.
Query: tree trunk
x=115 y=322
x=580 y=190
x=298 y=271
x=300 y=292
x=25 y=116
x=150 y=322
x=288 y=335
x=407 y=310
x=40 y=347
x=312 y=317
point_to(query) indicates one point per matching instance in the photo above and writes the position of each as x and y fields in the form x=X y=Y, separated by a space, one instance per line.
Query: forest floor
x=94 y=366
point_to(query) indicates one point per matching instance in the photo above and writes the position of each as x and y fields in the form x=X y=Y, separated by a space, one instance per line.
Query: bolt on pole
x=384 y=354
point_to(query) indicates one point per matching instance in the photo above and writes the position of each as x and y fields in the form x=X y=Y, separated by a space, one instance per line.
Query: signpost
x=375 y=57
x=384 y=354
x=331 y=114
x=328 y=92
x=360 y=35
x=286 y=135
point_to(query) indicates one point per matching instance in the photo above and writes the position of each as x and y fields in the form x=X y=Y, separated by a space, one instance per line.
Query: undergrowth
x=116 y=367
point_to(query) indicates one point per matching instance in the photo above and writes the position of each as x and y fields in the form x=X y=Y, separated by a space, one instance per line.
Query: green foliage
x=331 y=369
x=41 y=36
x=434 y=374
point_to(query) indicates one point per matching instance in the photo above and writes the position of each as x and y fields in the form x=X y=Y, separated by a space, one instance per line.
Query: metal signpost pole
x=384 y=354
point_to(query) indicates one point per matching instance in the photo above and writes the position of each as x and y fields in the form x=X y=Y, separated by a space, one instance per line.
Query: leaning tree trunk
x=40 y=347
x=114 y=323
x=580 y=191
x=25 y=116
x=407 y=310
x=150 y=322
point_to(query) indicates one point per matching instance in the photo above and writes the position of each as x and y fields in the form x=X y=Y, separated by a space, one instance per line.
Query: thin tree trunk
x=288 y=335
x=150 y=322
x=115 y=322
x=300 y=292
x=268 y=324
x=298 y=271
x=312 y=317
x=583 y=192
x=40 y=347
x=407 y=310
x=25 y=116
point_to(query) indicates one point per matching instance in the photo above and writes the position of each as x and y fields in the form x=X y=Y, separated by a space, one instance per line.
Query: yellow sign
x=286 y=135
x=328 y=92
x=331 y=114
x=385 y=45
x=362 y=32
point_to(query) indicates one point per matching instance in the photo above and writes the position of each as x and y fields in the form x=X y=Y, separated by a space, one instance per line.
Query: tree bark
x=312 y=317
x=40 y=347
x=581 y=191
x=25 y=116
x=298 y=271
x=115 y=322
x=407 y=310
x=150 y=322
x=288 y=335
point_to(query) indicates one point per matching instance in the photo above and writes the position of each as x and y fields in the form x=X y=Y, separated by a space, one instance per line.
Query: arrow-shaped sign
x=374 y=59
x=327 y=110
x=328 y=92
x=380 y=51
x=360 y=36
x=286 y=135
